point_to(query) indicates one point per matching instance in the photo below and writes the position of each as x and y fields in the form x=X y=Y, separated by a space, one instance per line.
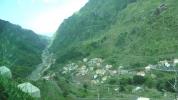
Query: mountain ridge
x=136 y=33
x=18 y=47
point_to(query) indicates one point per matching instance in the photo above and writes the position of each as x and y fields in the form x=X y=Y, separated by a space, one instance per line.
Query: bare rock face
x=160 y=9
x=5 y=72
x=30 y=89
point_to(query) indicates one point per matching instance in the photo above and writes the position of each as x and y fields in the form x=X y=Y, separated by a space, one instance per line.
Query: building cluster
x=94 y=70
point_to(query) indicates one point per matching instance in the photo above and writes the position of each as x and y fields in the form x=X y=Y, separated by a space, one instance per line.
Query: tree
x=137 y=80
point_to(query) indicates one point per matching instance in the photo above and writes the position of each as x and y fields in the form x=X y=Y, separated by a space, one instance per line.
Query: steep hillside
x=91 y=21
x=20 y=49
x=9 y=90
x=124 y=32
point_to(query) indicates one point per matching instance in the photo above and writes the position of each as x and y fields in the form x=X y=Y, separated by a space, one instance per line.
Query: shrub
x=138 y=80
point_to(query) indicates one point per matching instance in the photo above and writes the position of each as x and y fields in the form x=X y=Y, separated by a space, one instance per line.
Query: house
x=122 y=72
x=91 y=68
x=148 y=68
x=85 y=60
x=30 y=89
x=137 y=89
x=143 y=98
x=100 y=71
x=104 y=78
x=108 y=66
x=116 y=89
x=95 y=76
x=94 y=61
x=140 y=73
x=164 y=63
x=112 y=72
x=175 y=61
x=46 y=77
x=5 y=72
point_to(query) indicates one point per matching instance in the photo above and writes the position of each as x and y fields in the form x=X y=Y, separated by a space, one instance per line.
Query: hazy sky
x=41 y=16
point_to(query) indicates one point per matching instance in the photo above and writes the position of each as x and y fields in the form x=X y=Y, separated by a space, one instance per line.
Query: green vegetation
x=9 y=91
x=124 y=34
x=20 y=49
x=132 y=33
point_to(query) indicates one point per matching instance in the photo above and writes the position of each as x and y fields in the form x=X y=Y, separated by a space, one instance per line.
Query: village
x=96 y=74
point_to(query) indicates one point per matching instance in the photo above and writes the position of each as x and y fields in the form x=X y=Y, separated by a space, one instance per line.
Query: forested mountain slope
x=20 y=49
x=128 y=32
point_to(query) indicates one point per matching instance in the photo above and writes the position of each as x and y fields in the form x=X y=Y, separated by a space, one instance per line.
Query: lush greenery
x=9 y=91
x=132 y=33
x=20 y=49
x=123 y=34
x=90 y=22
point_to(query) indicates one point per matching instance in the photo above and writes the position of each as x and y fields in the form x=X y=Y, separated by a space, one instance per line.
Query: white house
x=175 y=61
x=148 y=68
x=108 y=66
x=143 y=98
x=30 y=89
x=165 y=63
x=104 y=78
x=85 y=60
x=5 y=72
x=116 y=89
x=91 y=68
x=141 y=73
x=100 y=71
x=95 y=76
x=46 y=77
x=137 y=89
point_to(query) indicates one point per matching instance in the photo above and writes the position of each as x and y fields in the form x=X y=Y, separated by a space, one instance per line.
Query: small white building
x=30 y=89
x=83 y=67
x=85 y=60
x=175 y=61
x=113 y=72
x=91 y=68
x=108 y=66
x=95 y=76
x=143 y=98
x=104 y=78
x=46 y=78
x=98 y=64
x=5 y=72
x=116 y=89
x=100 y=71
x=141 y=73
x=94 y=81
x=165 y=63
x=137 y=89
x=148 y=68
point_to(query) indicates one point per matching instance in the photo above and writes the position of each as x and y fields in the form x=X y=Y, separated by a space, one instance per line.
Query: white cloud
x=48 y=21
x=44 y=1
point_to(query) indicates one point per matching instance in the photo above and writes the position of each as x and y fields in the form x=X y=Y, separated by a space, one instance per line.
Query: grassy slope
x=90 y=22
x=141 y=37
x=9 y=91
x=135 y=38
x=20 y=49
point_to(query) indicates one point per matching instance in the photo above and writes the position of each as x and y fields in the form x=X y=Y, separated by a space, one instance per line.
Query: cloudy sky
x=41 y=16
